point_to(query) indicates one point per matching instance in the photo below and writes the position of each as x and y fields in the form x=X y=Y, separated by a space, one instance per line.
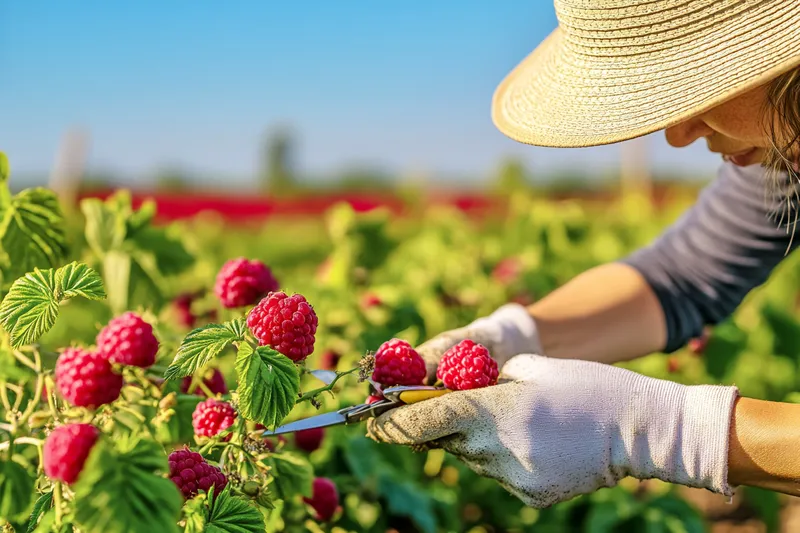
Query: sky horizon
x=401 y=87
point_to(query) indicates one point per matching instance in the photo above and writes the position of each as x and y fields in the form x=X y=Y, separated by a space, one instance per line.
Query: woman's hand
x=507 y=332
x=559 y=428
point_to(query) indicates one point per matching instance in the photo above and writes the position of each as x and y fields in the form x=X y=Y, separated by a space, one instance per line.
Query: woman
x=565 y=422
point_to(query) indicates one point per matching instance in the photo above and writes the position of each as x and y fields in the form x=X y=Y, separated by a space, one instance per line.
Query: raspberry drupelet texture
x=215 y=382
x=242 y=282
x=128 y=340
x=212 y=416
x=309 y=440
x=285 y=323
x=324 y=498
x=398 y=363
x=191 y=473
x=66 y=449
x=86 y=378
x=467 y=365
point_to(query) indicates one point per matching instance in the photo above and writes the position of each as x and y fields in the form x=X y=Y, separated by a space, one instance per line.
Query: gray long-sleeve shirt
x=719 y=250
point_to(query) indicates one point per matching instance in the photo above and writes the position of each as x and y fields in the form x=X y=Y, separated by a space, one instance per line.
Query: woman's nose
x=687 y=132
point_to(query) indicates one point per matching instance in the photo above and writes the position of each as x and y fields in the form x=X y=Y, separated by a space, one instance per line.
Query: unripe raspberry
x=467 y=365
x=86 y=379
x=212 y=416
x=128 y=340
x=397 y=363
x=215 y=382
x=324 y=498
x=191 y=473
x=285 y=323
x=309 y=440
x=66 y=449
x=241 y=282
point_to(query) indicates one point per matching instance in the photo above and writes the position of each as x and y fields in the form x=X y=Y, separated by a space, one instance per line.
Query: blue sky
x=197 y=85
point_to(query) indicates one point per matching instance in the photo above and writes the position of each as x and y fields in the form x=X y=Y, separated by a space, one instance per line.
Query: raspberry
x=309 y=440
x=285 y=323
x=241 y=282
x=329 y=360
x=191 y=473
x=66 y=450
x=183 y=310
x=397 y=363
x=86 y=378
x=369 y=300
x=372 y=398
x=215 y=383
x=212 y=416
x=507 y=271
x=467 y=365
x=324 y=498
x=128 y=340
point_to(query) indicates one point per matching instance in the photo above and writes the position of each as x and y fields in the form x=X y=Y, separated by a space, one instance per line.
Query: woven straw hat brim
x=575 y=90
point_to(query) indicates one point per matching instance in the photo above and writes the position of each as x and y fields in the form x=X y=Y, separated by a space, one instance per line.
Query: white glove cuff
x=515 y=331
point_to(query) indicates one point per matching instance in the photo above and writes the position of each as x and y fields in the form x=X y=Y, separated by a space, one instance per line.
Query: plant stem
x=57 y=502
x=20 y=440
x=310 y=394
x=37 y=393
x=4 y=397
x=25 y=361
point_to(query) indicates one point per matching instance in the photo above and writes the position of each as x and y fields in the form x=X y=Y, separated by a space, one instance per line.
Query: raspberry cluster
x=242 y=282
x=86 y=379
x=398 y=363
x=191 y=473
x=212 y=416
x=128 y=340
x=215 y=382
x=285 y=323
x=324 y=499
x=467 y=365
x=66 y=449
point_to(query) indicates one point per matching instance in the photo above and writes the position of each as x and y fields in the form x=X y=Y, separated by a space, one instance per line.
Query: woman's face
x=734 y=129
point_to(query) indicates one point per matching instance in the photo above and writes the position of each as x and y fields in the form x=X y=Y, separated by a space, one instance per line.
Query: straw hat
x=618 y=69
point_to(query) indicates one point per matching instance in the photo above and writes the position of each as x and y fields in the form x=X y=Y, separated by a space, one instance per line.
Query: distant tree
x=278 y=176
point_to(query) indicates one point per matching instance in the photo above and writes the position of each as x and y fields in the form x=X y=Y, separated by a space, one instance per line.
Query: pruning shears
x=392 y=397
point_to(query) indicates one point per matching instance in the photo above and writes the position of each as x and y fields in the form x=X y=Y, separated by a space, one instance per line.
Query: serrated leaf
x=120 y=489
x=41 y=506
x=231 y=514
x=78 y=279
x=16 y=489
x=264 y=499
x=30 y=308
x=199 y=347
x=293 y=475
x=237 y=326
x=104 y=229
x=32 y=232
x=268 y=384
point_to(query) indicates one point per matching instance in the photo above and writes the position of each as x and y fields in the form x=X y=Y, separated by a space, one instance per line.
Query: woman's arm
x=763 y=449
x=658 y=298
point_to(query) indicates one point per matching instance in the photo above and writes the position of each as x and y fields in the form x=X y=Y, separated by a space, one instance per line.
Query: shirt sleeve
x=718 y=251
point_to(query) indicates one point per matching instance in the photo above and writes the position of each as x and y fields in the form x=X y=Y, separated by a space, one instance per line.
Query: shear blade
x=319 y=421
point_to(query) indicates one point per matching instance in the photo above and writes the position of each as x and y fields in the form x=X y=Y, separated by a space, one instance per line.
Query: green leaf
x=5 y=171
x=30 y=308
x=77 y=279
x=293 y=475
x=404 y=498
x=238 y=327
x=195 y=514
x=199 y=347
x=268 y=384
x=767 y=505
x=724 y=346
x=230 y=514
x=120 y=489
x=16 y=489
x=104 y=230
x=40 y=507
x=31 y=232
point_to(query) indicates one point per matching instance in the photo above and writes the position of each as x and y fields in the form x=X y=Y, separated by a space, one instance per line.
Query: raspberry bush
x=96 y=419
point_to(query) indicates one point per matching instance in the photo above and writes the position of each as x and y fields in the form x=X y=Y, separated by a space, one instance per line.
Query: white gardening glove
x=509 y=331
x=567 y=427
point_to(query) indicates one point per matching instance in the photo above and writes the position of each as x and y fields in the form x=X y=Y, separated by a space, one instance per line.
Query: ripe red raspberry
x=128 y=340
x=369 y=300
x=86 y=379
x=183 y=310
x=212 y=416
x=191 y=473
x=372 y=398
x=214 y=382
x=241 y=282
x=66 y=450
x=467 y=365
x=329 y=360
x=507 y=271
x=324 y=498
x=397 y=363
x=285 y=323
x=309 y=440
